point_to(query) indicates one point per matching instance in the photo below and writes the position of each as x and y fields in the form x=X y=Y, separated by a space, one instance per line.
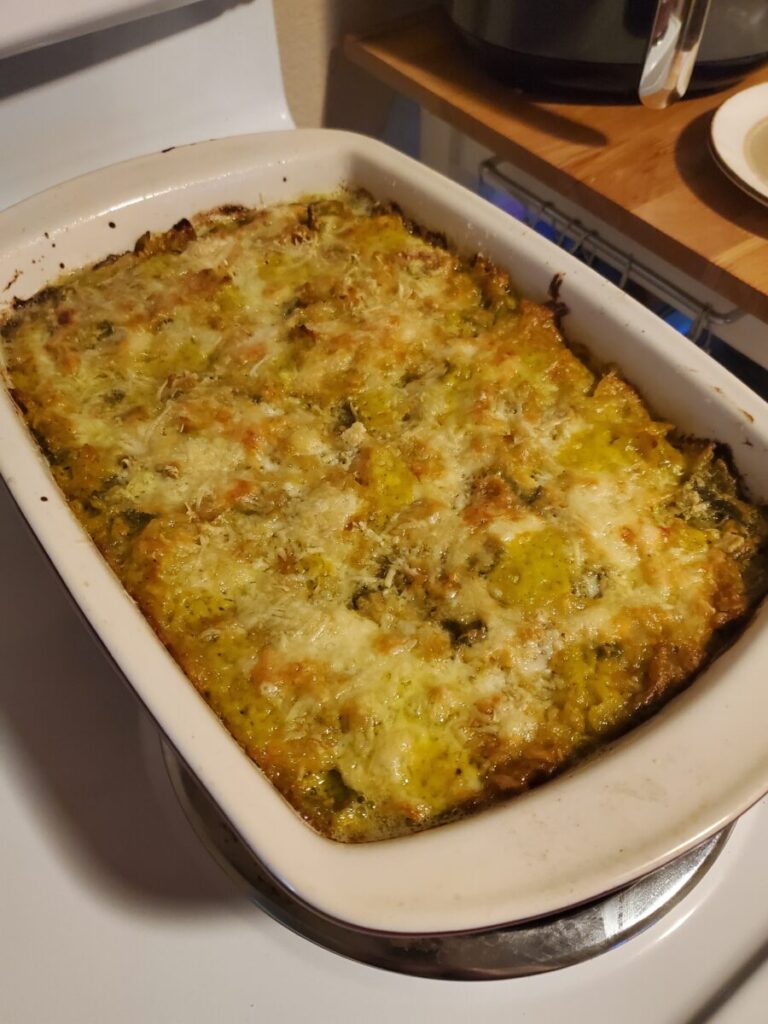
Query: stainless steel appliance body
x=601 y=45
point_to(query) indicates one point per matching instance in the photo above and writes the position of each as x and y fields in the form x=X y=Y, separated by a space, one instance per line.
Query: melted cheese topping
x=411 y=549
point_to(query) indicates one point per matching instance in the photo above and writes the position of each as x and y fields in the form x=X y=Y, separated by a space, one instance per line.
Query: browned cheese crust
x=414 y=552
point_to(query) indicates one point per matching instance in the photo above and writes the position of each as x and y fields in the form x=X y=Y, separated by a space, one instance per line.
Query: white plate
x=739 y=140
x=658 y=792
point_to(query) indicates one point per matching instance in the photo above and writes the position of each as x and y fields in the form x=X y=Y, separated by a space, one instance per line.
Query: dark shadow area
x=470 y=77
x=36 y=67
x=709 y=1011
x=90 y=759
x=354 y=99
x=525 y=107
x=701 y=174
x=345 y=79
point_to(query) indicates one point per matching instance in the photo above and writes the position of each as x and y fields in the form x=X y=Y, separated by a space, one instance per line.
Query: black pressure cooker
x=654 y=49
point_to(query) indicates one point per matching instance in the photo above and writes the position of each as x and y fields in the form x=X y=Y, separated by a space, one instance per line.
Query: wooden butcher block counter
x=648 y=173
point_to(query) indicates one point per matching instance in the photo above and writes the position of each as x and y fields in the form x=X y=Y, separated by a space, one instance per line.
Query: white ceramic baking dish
x=652 y=795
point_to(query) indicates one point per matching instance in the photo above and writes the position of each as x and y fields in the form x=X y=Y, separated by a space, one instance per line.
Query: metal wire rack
x=588 y=245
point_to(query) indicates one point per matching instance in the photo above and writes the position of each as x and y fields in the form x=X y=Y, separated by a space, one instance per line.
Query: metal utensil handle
x=674 y=43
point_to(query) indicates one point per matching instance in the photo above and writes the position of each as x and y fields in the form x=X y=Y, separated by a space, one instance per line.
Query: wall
x=322 y=87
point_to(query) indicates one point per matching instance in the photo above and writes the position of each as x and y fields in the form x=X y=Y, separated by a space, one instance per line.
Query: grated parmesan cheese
x=413 y=551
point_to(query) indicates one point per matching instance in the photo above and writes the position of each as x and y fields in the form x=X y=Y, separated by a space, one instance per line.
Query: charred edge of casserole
x=175 y=240
x=724 y=452
x=51 y=293
x=18 y=400
x=559 y=308
x=231 y=209
x=9 y=323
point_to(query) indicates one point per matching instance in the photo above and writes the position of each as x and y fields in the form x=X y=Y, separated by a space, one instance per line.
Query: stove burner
x=507 y=952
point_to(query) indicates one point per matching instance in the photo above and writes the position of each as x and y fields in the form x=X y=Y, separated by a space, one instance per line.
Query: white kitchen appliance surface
x=111 y=909
x=647 y=799
x=200 y=71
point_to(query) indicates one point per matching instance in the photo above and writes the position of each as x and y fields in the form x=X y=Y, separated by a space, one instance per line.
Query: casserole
x=641 y=802
x=415 y=554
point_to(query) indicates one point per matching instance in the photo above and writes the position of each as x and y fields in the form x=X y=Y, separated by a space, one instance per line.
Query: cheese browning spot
x=414 y=552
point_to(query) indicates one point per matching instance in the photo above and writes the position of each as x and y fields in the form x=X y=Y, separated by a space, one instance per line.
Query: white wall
x=322 y=87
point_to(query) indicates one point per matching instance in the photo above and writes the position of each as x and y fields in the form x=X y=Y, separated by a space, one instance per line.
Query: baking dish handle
x=674 y=43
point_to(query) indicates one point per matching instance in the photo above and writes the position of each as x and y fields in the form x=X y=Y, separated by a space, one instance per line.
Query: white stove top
x=200 y=71
x=110 y=909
